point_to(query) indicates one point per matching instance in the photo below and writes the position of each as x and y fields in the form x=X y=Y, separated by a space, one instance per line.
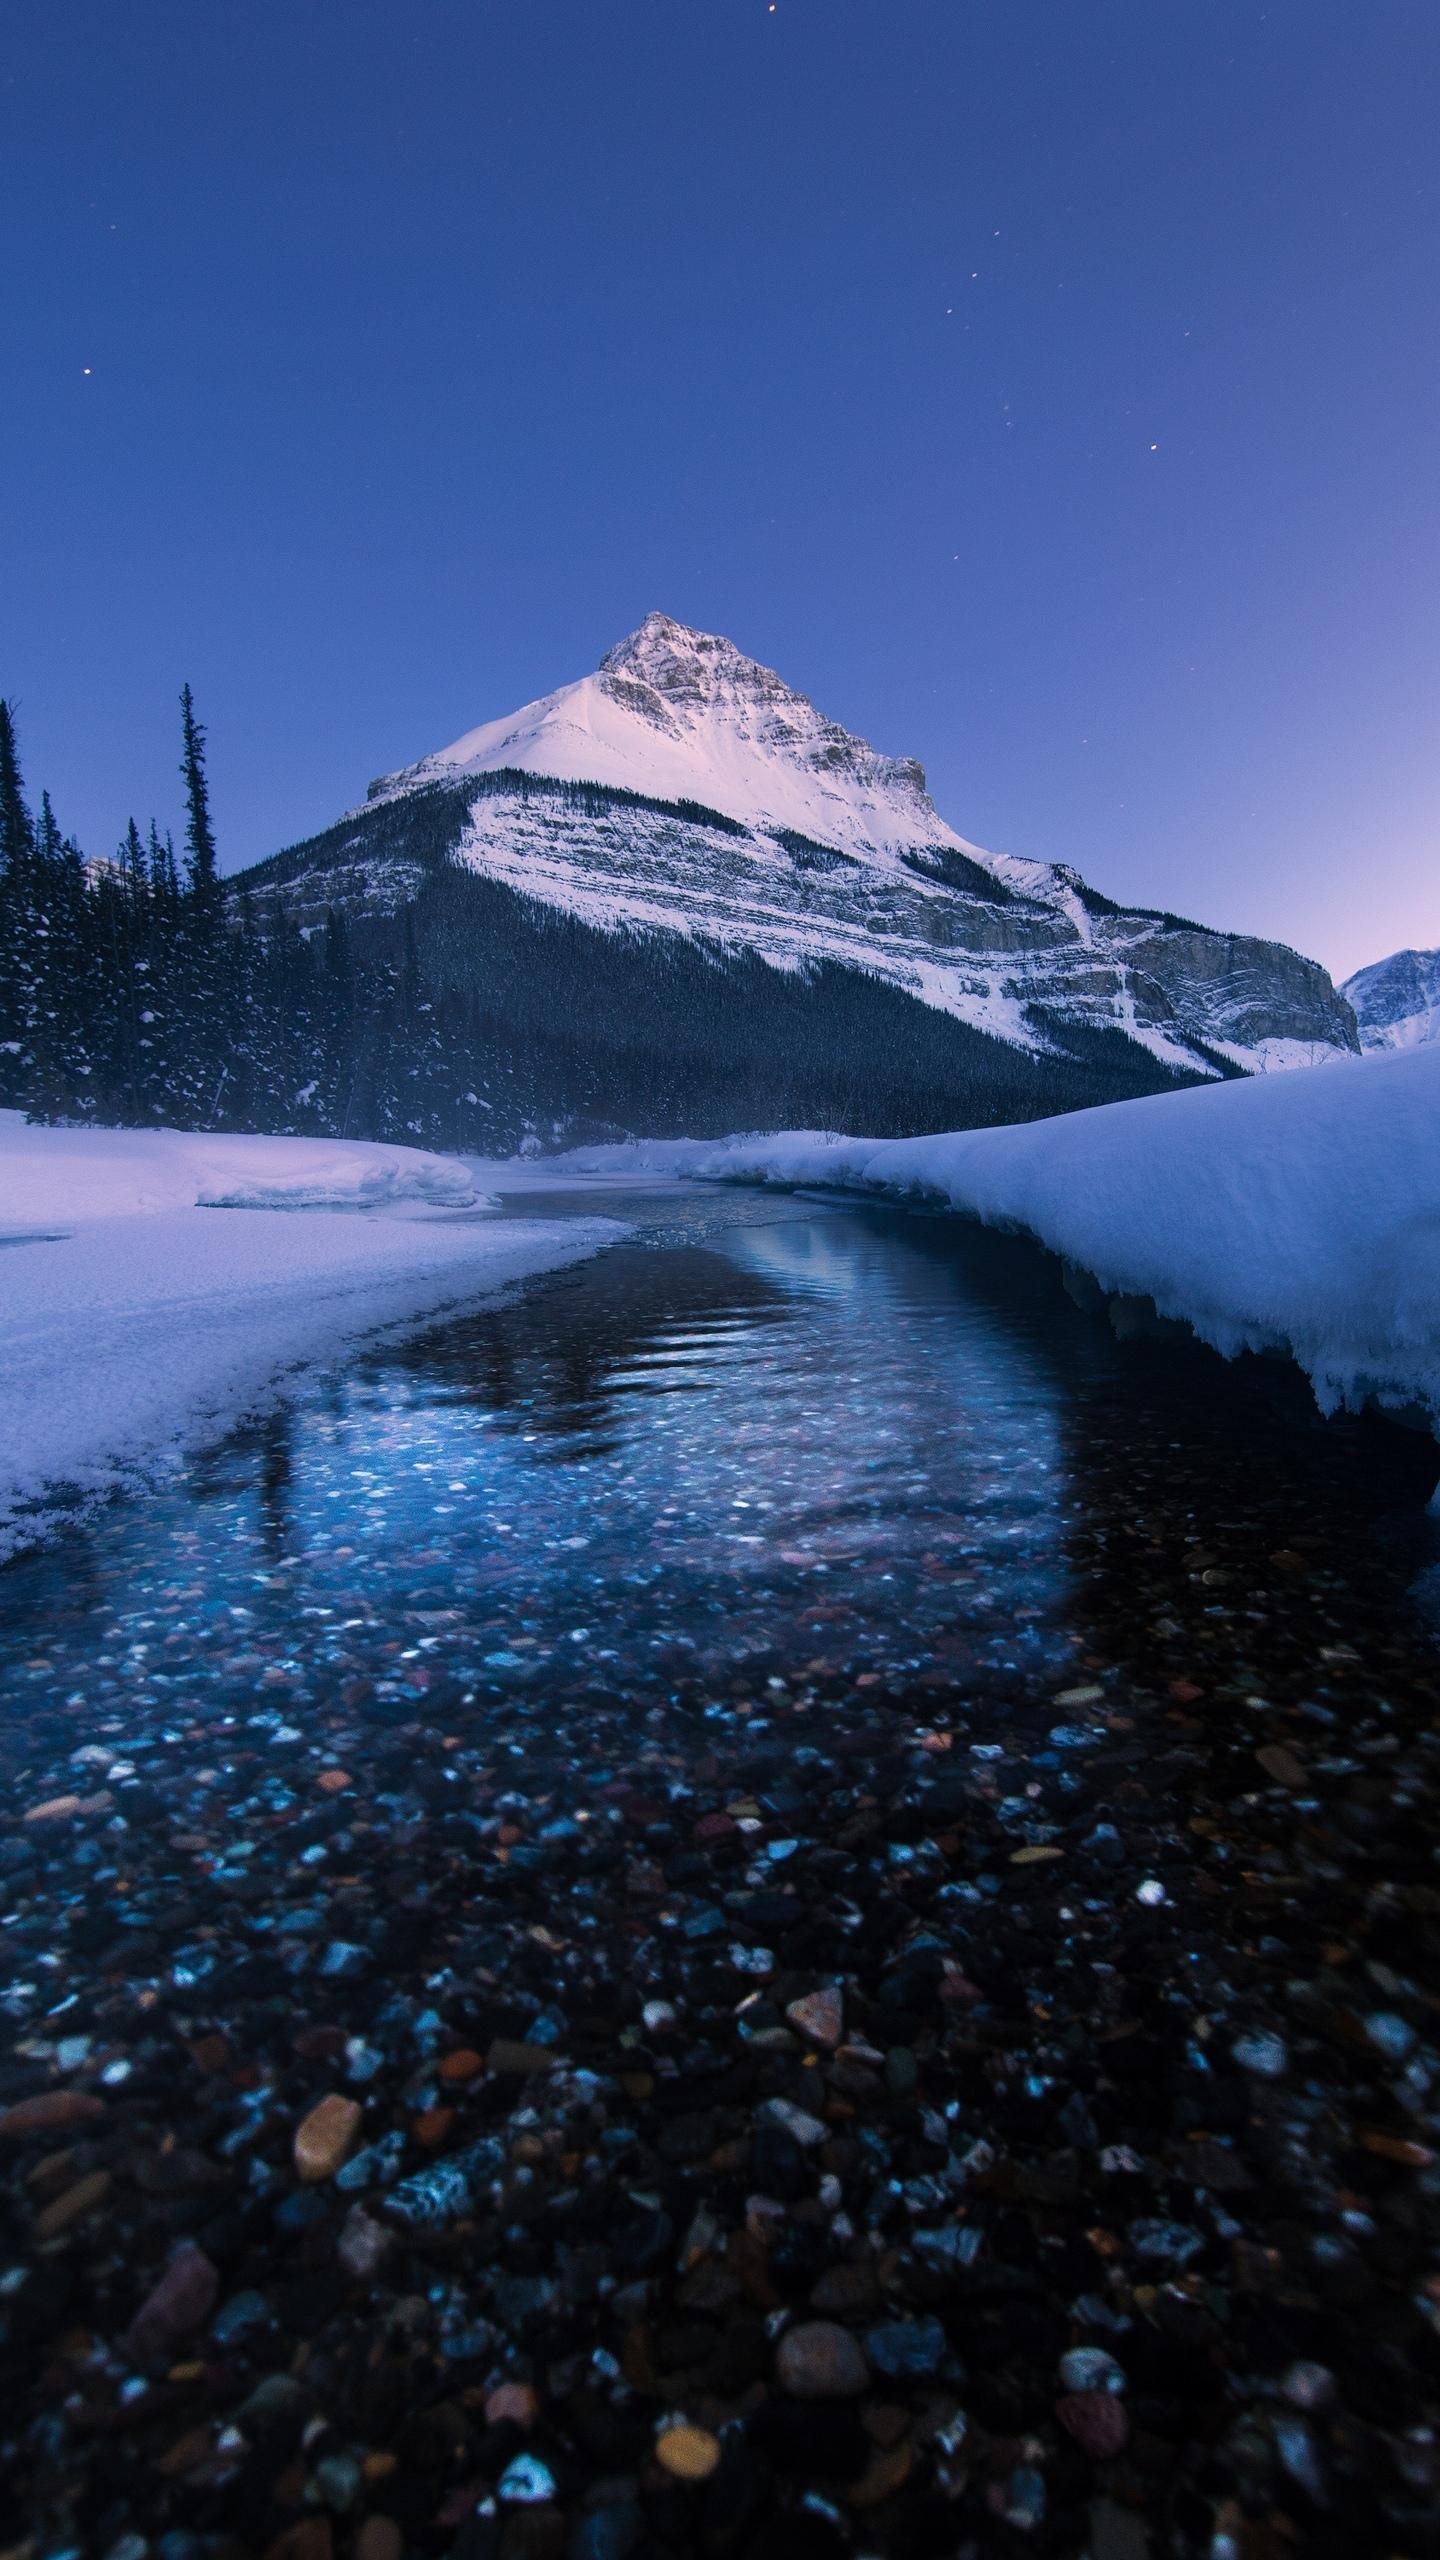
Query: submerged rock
x=818 y=2360
x=176 y=2307
x=327 y=2136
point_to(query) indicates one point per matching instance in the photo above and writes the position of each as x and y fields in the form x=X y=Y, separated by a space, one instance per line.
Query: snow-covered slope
x=1397 y=1001
x=679 y=714
x=685 y=790
x=1298 y=1213
x=61 y=1177
x=140 y=1322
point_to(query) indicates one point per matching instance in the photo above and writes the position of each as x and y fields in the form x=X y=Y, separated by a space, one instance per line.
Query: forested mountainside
x=574 y=1026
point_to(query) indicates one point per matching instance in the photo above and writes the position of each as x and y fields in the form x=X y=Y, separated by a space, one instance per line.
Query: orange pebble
x=513 y=2400
x=1392 y=2146
x=324 y=2142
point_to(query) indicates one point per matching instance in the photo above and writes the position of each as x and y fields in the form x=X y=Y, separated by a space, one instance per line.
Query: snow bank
x=1298 y=1213
x=49 y=1177
x=146 y=1326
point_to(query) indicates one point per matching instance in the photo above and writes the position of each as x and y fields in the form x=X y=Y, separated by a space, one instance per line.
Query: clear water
x=768 y=1439
x=793 y=1592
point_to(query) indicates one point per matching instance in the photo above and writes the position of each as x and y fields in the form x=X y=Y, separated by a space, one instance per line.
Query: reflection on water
x=768 y=1438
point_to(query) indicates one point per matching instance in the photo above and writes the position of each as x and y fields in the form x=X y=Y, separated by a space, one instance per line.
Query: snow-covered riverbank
x=1298 y=1213
x=155 y=1286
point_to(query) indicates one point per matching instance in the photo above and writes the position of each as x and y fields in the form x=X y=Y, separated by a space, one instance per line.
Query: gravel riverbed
x=792 y=2102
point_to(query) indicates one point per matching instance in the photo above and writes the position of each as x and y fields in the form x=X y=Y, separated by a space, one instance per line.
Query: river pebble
x=819 y=2361
x=325 y=2138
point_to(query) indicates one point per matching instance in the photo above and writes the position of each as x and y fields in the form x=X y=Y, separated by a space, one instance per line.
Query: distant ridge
x=1397 y=1001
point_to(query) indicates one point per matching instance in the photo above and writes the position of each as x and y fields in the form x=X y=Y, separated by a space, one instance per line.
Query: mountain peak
x=696 y=669
x=674 y=713
x=660 y=642
x=686 y=682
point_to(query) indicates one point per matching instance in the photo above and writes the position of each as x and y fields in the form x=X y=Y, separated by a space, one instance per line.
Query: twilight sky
x=1050 y=388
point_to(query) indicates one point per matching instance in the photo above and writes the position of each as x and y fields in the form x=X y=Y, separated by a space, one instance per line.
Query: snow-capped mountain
x=684 y=800
x=1397 y=1001
x=679 y=714
x=674 y=715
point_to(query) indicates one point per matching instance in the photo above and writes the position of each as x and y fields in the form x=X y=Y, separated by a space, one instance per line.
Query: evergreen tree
x=19 y=930
x=199 y=833
x=202 y=1066
x=125 y=932
x=164 y=877
x=131 y=859
x=17 y=830
x=49 y=844
x=71 y=967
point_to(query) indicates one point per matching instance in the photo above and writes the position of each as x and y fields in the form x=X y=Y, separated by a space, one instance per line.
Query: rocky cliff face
x=687 y=683
x=684 y=794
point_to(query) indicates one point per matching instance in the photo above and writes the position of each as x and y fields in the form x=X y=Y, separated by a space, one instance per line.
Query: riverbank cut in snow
x=1298 y=1213
x=157 y=1285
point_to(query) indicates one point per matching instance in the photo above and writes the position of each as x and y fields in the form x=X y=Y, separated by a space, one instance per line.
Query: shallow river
x=771 y=1430
x=799 y=1595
